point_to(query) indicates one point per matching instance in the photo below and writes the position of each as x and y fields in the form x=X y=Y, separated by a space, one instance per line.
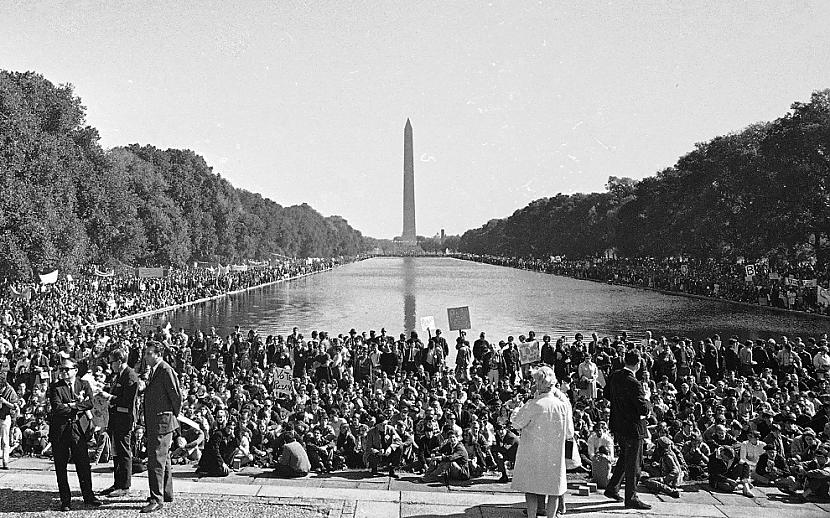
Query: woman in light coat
x=588 y=377
x=544 y=422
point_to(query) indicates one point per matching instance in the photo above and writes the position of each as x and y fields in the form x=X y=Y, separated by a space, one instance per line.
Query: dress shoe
x=504 y=479
x=168 y=499
x=66 y=507
x=93 y=502
x=636 y=503
x=108 y=491
x=118 y=493
x=152 y=507
x=613 y=495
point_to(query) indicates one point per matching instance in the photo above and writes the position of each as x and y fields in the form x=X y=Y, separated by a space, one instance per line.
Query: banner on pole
x=150 y=273
x=49 y=278
x=459 y=318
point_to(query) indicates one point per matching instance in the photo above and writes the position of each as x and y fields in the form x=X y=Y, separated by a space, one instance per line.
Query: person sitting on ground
x=139 y=447
x=383 y=446
x=452 y=463
x=668 y=468
x=727 y=474
x=599 y=437
x=771 y=466
x=504 y=451
x=293 y=461
x=347 y=448
x=601 y=467
x=319 y=455
x=219 y=448
x=189 y=444
x=428 y=445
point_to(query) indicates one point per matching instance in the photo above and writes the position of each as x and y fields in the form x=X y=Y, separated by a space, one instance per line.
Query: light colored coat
x=545 y=422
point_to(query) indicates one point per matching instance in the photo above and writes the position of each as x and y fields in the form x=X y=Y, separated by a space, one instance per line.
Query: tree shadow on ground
x=27 y=501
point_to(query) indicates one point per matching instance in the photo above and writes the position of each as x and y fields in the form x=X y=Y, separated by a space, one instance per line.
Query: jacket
x=123 y=408
x=628 y=404
x=62 y=418
x=162 y=400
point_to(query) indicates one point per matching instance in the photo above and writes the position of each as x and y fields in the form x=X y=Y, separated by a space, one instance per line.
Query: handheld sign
x=459 y=318
x=282 y=382
x=529 y=352
x=427 y=323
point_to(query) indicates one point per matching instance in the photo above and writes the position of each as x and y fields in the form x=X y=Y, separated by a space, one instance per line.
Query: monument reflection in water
x=409 y=307
x=503 y=301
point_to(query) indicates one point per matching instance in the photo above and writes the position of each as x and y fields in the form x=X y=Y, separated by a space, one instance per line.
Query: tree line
x=760 y=192
x=65 y=201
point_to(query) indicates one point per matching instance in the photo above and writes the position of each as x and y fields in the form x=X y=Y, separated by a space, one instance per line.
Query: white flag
x=49 y=278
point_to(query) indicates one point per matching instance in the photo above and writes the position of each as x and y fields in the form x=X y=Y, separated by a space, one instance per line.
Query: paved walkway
x=357 y=495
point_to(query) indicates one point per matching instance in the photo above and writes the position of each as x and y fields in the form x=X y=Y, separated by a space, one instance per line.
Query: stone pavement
x=358 y=495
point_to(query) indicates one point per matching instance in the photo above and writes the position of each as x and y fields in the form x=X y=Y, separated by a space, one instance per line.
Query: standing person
x=70 y=398
x=122 y=417
x=545 y=422
x=588 y=377
x=162 y=404
x=628 y=407
x=8 y=406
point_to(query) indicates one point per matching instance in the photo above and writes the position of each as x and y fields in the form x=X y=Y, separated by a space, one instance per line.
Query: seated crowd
x=731 y=413
x=784 y=285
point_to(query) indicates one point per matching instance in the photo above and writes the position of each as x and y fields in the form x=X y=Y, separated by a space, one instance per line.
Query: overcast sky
x=509 y=101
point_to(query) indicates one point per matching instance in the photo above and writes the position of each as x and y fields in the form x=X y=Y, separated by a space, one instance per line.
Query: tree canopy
x=65 y=201
x=762 y=191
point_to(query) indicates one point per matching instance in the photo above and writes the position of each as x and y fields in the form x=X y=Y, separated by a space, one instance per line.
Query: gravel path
x=31 y=502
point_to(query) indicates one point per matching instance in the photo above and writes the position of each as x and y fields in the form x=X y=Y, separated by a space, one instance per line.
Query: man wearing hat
x=70 y=398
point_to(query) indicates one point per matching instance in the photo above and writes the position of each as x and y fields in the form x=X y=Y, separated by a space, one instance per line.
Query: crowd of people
x=92 y=296
x=798 y=287
x=723 y=411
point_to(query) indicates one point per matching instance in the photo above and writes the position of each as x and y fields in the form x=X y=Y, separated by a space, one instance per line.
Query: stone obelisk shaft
x=408 y=234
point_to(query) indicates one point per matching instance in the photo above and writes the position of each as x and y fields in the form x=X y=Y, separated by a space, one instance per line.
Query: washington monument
x=408 y=236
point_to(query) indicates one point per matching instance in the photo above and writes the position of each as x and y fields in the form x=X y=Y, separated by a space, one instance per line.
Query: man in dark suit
x=162 y=405
x=70 y=398
x=122 y=418
x=628 y=408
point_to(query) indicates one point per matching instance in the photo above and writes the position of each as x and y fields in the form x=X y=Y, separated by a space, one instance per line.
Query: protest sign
x=282 y=382
x=529 y=352
x=459 y=318
x=750 y=270
x=427 y=323
x=150 y=273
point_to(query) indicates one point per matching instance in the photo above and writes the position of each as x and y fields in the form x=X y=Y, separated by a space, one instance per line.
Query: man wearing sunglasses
x=70 y=398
